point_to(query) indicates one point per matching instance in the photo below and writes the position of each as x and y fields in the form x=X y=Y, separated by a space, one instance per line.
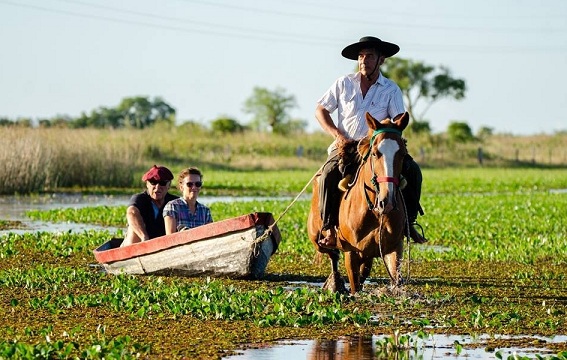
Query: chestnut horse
x=372 y=215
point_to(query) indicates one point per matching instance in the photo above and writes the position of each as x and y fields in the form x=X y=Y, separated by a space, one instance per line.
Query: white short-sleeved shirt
x=383 y=100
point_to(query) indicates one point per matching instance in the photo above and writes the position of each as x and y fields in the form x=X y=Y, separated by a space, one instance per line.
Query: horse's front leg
x=392 y=261
x=335 y=281
x=353 y=264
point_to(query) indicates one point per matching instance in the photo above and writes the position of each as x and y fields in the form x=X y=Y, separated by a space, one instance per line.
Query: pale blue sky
x=205 y=56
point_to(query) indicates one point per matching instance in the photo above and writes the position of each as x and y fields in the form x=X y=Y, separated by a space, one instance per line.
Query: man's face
x=367 y=61
x=157 y=189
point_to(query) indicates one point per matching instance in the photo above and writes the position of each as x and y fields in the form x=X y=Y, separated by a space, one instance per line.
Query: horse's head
x=384 y=148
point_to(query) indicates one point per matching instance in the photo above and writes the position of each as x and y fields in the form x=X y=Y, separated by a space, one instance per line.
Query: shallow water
x=365 y=348
x=14 y=208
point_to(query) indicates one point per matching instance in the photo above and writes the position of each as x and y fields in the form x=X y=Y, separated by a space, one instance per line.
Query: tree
x=138 y=112
x=419 y=127
x=419 y=81
x=293 y=126
x=270 y=108
x=226 y=125
x=485 y=132
x=102 y=117
x=459 y=132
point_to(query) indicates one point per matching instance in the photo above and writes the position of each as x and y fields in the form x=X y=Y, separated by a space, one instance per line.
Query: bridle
x=376 y=180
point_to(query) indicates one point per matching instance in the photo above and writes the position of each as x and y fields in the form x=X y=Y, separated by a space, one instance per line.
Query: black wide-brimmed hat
x=387 y=49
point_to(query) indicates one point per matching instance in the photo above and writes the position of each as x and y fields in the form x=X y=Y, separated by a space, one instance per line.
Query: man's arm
x=324 y=118
x=136 y=222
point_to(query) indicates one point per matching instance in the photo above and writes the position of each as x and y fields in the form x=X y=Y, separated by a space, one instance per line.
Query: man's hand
x=341 y=140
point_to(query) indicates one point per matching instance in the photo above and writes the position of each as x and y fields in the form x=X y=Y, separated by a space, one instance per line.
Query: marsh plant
x=37 y=160
x=494 y=264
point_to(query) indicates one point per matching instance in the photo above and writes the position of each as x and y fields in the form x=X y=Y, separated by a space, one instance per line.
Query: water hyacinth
x=484 y=270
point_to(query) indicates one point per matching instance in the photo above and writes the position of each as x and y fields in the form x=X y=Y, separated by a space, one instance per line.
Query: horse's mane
x=347 y=151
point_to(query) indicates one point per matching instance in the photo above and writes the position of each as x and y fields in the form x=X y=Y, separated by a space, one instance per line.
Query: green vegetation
x=495 y=264
x=94 y=160
x=271 y=111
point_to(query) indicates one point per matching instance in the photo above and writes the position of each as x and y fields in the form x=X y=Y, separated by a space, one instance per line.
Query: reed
x=54 y=159
x=37 y=160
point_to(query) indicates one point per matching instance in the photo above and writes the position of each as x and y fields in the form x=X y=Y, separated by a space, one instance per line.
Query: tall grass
x=49 y=159
x=36 y=160
x=496 y=150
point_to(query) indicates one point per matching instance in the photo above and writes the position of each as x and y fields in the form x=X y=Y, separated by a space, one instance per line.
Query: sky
x=204 y=57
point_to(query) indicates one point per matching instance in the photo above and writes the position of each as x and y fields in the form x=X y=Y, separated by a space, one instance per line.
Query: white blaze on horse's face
x=388 y=148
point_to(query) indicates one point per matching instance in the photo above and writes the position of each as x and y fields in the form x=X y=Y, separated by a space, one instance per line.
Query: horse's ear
x=372 y=122
x=401 y=120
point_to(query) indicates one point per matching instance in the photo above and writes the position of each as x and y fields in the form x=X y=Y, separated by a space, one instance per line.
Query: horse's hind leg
x=335 y=281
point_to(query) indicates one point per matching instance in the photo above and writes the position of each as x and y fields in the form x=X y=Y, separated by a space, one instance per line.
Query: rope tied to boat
x=269 y=230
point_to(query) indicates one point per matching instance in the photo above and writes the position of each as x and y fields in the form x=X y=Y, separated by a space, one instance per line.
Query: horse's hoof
x=335 y=283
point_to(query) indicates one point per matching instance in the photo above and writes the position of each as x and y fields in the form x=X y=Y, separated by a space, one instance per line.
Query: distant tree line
x=136 y=112
x=270 y=109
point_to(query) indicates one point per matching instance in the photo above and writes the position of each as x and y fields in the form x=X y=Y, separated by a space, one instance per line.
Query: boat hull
x=239 y=247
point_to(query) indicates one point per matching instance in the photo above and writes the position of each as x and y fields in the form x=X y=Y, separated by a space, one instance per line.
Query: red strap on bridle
x=388 y=179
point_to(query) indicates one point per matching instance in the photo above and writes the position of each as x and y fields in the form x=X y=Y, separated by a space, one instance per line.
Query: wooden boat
x=239 y=247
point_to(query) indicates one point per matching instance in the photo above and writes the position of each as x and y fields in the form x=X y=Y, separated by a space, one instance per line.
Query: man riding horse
x=353 y=96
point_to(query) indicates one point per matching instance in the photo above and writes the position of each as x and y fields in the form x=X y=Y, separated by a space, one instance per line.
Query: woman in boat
x=144 y=212
x=186 y=212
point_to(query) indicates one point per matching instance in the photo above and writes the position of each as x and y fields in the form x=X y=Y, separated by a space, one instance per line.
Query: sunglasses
x=155 y=182
x=190 y=184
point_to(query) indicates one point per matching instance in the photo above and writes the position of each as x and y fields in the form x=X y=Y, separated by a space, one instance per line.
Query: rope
x=407 y=225
x=268 y=232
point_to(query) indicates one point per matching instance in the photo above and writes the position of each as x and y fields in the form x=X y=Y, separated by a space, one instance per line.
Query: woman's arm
x=170 y=225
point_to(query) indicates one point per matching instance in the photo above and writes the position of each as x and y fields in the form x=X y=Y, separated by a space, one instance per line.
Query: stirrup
x=344 y=183
x=414 y=226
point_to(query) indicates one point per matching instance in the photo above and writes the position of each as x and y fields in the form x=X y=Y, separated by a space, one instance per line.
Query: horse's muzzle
x=384 y=206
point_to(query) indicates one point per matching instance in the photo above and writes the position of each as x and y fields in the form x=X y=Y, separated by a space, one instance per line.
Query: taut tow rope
x=268 y=232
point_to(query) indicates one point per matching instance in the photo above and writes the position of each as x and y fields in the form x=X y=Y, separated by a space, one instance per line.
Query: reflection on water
x=366 y=348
